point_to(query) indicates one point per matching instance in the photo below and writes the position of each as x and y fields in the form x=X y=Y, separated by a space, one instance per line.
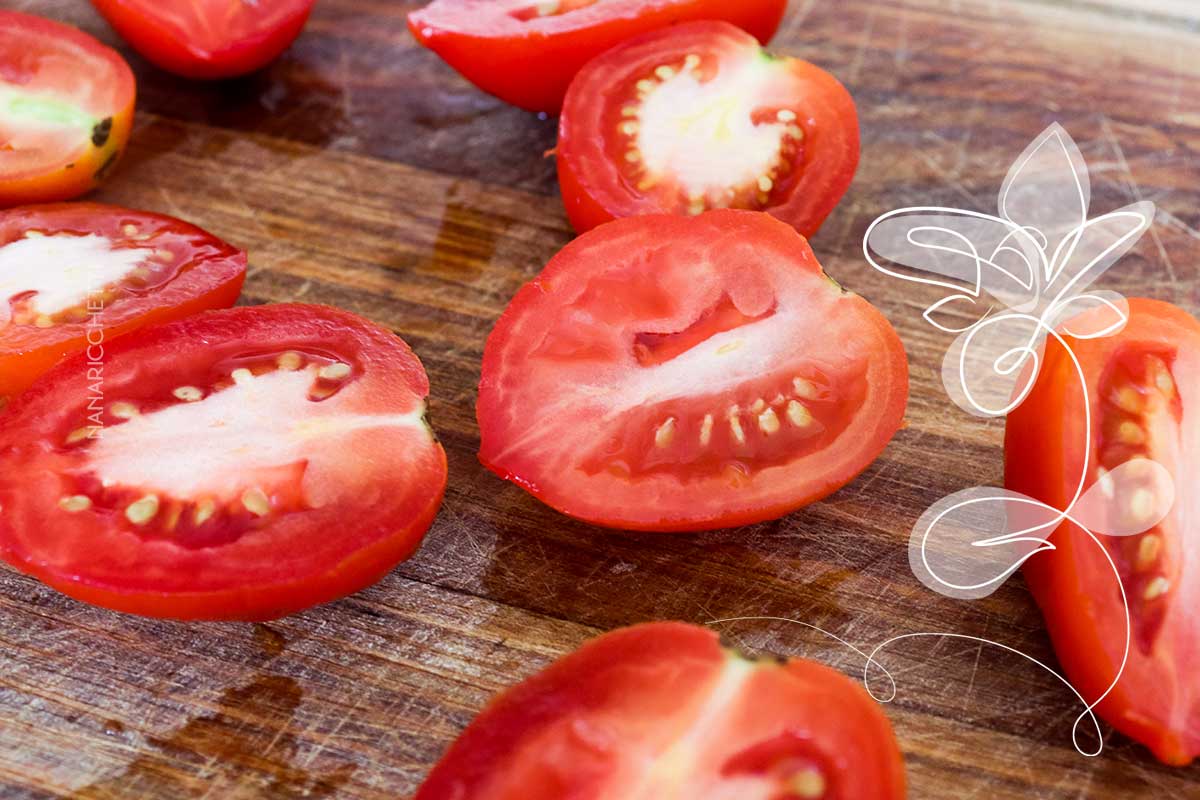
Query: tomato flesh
x=207 y=38
x=79 y=274
x=686 y=373
x=66 y=108
x=526 y=51
x=697 y=117
x=662 y=711
x=237 y=464
x=1143 y=385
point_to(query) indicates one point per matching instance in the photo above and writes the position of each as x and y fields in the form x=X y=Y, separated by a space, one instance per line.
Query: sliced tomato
x=79 y=274
x=237 y=464
x=661 y=711
x=687 y=373
x=66 y=107
x=698 y=116
x=1144 y=388
x=526 y=51
x=207 y=38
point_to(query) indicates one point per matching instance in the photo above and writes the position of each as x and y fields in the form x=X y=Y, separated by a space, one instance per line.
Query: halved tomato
x=238 y=464
x=1144 y=387
x=526 y=51
x=662 y=711
x=698 y=116
x=66 y=107
x=207 y=38
x=687 y=373
x=75 y=275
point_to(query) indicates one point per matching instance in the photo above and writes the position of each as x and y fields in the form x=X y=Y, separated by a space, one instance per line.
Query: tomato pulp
x=696 y=117
x=662 y=711
x=1144 y=386
x=687 y=373
x=526 y=51
x=79 y=274
x=207 y=38
x=237 y=464
x=66 y=107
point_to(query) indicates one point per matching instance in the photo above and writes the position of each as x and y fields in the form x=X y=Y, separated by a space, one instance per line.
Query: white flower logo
x=1015 y=279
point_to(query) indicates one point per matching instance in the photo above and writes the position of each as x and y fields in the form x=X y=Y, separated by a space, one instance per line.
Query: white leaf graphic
x=1131 y=499
x=979 y=253
x=966 y=545
x=990 y=368
x=1089 y=250
x=1091 y=316
x=1047 y=190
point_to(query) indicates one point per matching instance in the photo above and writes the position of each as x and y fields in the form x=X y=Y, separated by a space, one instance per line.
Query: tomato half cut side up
x=687 y=373
x=80 y=274
x=1144 y=388
x=66 y=108
x=526 y=51
x=238 y=464
x=662 y=710
x=698 y=116
x=207 y=39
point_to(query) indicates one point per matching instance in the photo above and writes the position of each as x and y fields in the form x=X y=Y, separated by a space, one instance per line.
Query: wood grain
x=360 y=171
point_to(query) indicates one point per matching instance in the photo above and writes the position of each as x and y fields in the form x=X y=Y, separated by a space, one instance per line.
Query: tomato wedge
x=698 y=116
x=662 y=710
x=79 y=274
x=207 y=38
x=237 y=464
x=526 y=51
x=687 y=373
x=66 y=107
x=1144 y=387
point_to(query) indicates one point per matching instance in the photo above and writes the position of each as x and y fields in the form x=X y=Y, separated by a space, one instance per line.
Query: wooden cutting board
x=361 y=171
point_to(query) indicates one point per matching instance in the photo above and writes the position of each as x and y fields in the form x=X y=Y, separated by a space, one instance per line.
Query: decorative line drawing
x=1015 y=280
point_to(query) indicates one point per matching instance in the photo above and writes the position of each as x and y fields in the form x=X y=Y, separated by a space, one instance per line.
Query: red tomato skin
x=163 y=47
x=217 y=284
x=531 y=67
x=852 y=458
x=580 y=680
x=591 y=185
x=1043 y=459
x=80 y=175
x=261 y=601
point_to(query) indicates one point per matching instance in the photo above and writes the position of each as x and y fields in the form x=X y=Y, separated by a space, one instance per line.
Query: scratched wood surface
x=360 y=171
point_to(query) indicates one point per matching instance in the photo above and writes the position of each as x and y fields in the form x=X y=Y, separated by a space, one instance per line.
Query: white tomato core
x=62 y=271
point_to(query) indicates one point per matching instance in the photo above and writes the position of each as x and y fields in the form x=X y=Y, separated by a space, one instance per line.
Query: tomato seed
x=1148 y=549
x=143 y=510
x=291 y=361
x=706 y=430
x=335 y=371
x=798 y=414
x=808 y=784
x=1156 y=588
x=256 y=502
x=75 y=503
x=204 y=511
x=188 y=394
x=768 y=422
x=124 y=410
x=665 y=434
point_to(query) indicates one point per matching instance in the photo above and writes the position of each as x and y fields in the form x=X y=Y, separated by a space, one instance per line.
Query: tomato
x=661 y=711
x=687 y=373
x=207 y=38
x=237 y=464
x=1144 y=384
x=697 y=117
x=526 y=51
x=66 y=107
x=76 y=274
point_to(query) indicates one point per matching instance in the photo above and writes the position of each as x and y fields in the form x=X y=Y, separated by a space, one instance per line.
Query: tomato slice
x=237 y=464
x=687 y=373
x=698 y=116
x=1144 y=387
x=662 y=711
x=526 y=51
x=79 y=274
x=66 y=107
x=207 y=38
